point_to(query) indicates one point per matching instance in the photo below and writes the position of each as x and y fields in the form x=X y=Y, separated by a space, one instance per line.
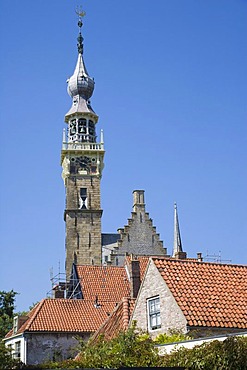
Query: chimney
x=135 y=280
x=58 y=290
x=138 y=200
x=199 y=257
x=180 y=255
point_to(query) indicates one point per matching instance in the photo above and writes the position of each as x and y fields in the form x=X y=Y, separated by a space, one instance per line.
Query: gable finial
x=80 y=14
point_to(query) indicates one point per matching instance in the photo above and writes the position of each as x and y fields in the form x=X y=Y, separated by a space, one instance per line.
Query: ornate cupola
x=82 y=162
x=81 y=118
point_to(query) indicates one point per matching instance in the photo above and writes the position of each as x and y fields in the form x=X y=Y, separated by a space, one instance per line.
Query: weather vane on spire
x=80 y=14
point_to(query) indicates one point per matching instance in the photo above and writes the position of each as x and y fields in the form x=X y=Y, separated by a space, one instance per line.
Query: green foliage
x=129 y=349
x=231 y=354
x=133 y=349
x=171 y=337
x=7 y=304
x=25 y=313
x=33 y=305
x=6 y=360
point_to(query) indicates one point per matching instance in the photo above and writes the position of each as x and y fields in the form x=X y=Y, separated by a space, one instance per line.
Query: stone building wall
x=139 y=237
x=51 y=347
x=171 y=315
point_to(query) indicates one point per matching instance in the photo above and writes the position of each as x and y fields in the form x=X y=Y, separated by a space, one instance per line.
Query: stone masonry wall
x=171 y=315
x=51 y=347
x=83 y=226
x=139 y=237
x=73 y=185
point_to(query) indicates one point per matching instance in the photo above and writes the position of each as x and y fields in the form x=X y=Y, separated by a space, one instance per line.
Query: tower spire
x=82 y=159
x=80 y=84
x=80 y=39
x=177 y=245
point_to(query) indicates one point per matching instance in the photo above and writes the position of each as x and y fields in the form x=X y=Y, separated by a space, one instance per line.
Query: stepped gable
x=108 y=283
x=139 y=236
x=129 y=230
x=209 y=294
x=65 y=315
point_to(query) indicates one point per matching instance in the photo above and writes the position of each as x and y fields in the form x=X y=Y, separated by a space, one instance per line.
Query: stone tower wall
x=73 y=186
x=83 y=226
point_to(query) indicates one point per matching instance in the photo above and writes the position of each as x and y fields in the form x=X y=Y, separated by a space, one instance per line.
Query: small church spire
x=177 y=246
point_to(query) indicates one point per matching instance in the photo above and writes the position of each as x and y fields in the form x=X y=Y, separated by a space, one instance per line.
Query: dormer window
x=15 y=325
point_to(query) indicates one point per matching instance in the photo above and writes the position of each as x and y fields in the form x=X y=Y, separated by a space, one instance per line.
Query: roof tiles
x=209 y=294
x=118 y=320
x=66 y=315
x=108 y=283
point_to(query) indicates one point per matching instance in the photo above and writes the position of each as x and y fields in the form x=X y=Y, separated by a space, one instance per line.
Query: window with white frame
x=17 y=352
x=153 y=305
x=15 y=324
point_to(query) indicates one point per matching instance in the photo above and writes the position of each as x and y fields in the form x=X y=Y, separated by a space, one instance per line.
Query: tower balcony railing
x=83 y=146
x=77 y=145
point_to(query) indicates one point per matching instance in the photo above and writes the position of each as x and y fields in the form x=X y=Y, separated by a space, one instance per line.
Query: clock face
x=82 y=163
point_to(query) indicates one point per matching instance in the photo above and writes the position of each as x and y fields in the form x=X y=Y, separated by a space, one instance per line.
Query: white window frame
x=15 y=325
x=17 y=350
x=153 y=309
x=11 y=342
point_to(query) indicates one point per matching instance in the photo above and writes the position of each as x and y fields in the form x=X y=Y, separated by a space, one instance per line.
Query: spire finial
x=80 y=14
x=177 y=247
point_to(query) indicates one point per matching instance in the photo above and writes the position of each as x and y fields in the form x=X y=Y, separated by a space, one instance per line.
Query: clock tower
x=82 y=162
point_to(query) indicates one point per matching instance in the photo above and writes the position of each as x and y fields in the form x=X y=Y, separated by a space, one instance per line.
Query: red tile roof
x=209 y=294
x=118 y=320
x=66 y=315
x=108 y=283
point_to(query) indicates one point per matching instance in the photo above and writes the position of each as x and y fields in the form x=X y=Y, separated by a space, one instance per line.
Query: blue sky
x=171 y=93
